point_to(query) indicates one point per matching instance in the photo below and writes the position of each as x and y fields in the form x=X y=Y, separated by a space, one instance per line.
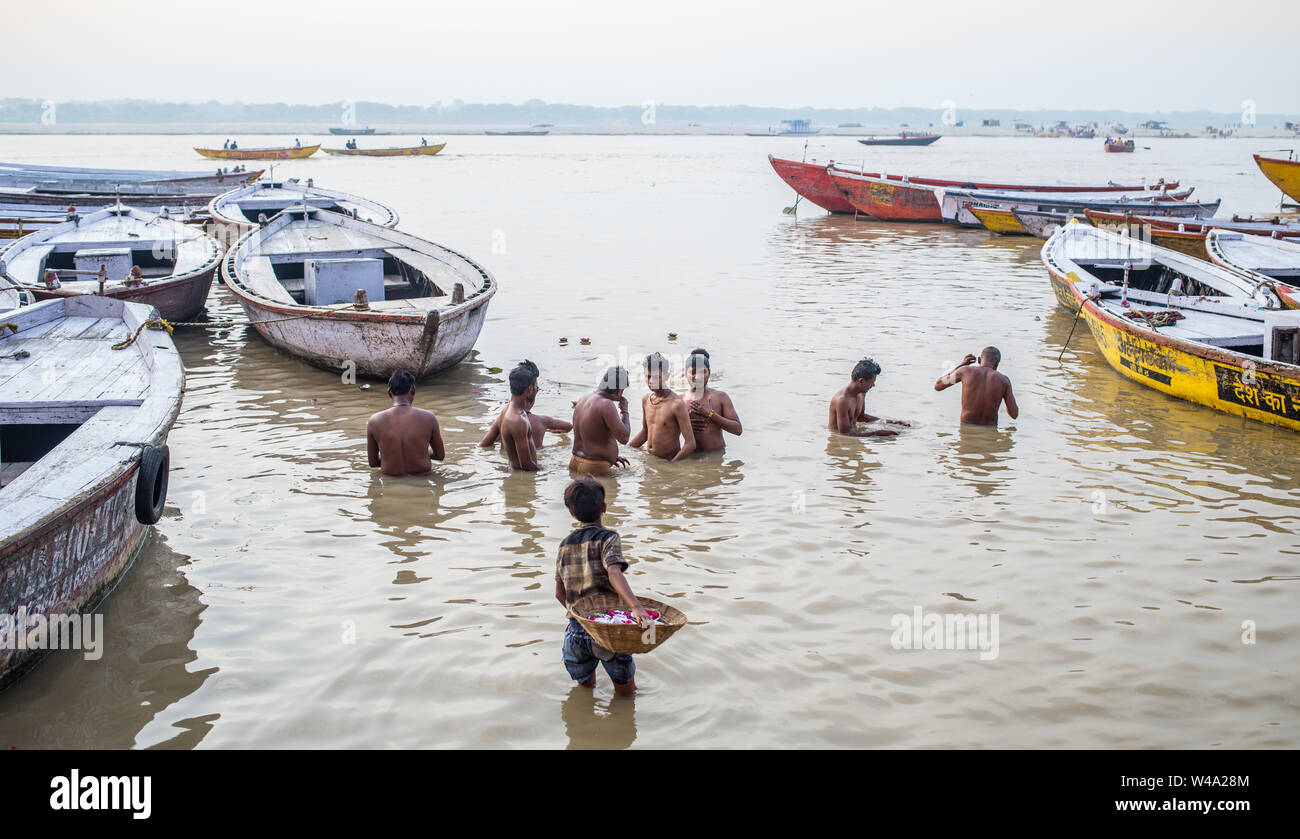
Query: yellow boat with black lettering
x=1179 y=325
x=999 y=220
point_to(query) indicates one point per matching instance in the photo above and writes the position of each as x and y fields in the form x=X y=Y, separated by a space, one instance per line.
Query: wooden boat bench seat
x=429 y=268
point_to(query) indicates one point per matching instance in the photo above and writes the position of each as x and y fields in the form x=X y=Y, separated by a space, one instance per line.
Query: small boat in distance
x=238 y=211
x=520 y=133
x=399 y=151
x=352 y=132
x=788 y=128
x=1114 y=144
x=83 y=472
x=1182 y=326
x=345 y=294
x=1283 y=172
x=290 y=153
x=903 y=139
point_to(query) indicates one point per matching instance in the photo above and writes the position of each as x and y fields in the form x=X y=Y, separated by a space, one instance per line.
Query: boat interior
x=264 y=204
x=160 y=247
x=319 y=263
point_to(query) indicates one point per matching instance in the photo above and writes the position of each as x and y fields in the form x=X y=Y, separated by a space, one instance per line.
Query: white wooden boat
x=1043 y=223
x=177 y=261
x=1261 y=258
x=12 y=296
x=83 y=454
x=953 y=203
x=1224 y=342
x=296 y=277
x=236 y=212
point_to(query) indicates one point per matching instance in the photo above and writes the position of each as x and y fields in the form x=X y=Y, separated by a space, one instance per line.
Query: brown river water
x=292 y=598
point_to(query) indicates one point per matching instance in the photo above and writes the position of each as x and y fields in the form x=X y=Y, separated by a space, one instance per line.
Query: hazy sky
x=1143 y=55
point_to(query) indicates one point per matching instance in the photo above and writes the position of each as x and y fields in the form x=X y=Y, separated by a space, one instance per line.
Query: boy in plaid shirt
x=591 y=561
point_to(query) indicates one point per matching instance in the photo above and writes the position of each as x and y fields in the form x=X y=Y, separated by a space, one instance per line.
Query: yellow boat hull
x=1285 y=174
x=999 y=220
x=408 y=151
x=1256 y=389
x=295 y=153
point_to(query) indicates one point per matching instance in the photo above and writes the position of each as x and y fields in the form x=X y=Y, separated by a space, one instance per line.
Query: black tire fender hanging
x=151 y=483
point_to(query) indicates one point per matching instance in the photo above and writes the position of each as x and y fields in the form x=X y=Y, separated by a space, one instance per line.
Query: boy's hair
x=655 y=361
x=585 y=497
x=613 y=380
x=698 y=359
x=523 y=377
x=865 y=369
x=400 y=383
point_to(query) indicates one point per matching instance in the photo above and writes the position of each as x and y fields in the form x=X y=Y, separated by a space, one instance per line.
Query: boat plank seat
x=259 y=278
x=432 y=268
x=314 y=240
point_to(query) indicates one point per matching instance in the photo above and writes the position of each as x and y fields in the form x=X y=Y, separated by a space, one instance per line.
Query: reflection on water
x=1122 y=537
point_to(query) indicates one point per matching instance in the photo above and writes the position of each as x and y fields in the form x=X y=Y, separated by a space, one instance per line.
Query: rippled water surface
x=1121 y=537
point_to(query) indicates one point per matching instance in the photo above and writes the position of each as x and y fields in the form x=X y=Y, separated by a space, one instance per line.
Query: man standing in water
x=983 y=388
x=600 y=423
x=711 y=410
x=539 y=422
x=664 y=415
x=403 y=440
x=847 y=405
x=515 y=425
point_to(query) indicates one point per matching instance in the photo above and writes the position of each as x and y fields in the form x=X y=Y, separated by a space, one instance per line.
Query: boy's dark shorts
x=580 y=661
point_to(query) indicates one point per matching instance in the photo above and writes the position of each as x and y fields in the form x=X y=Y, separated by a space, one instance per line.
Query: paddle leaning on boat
x=1179 y=325
x=349 y=295
x=120 y=252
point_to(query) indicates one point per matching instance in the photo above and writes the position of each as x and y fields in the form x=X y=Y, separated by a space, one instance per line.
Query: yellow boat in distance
x=401 y=151
x=1184 y=327
x=999 y=220
x=1283 y=172
x=291 y=153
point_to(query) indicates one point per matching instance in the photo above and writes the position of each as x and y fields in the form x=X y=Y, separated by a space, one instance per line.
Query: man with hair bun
x=711 y=410
x=403 y=440
x=848 y=404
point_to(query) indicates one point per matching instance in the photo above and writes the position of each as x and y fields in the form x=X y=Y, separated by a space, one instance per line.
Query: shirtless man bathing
x=600 y=423
x=403 y=440
x=665 y=418
x=983 y=388
x=711 y=411
x=523 y=395
x=848 y=404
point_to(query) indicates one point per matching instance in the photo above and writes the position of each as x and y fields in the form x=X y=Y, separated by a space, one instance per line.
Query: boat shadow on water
x=150 y=621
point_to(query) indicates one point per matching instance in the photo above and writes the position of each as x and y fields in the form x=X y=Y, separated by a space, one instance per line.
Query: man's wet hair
x=698 y=359
x=523 y=377
x=584 y=498
x=655 y=361
x=613 y=380
x=865 y=369
x=992 y=354
x=400 y=383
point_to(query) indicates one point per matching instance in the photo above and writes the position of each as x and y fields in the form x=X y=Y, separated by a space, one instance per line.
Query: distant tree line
x=146 y=112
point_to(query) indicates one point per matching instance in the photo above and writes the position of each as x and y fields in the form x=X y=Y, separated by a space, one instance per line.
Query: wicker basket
x=622 y=638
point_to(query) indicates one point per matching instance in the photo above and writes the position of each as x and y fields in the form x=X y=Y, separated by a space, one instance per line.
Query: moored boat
x=399 y=151
x=299 y=277
x=290 y=153
x=1220 y=341
x=954 y=203
x=523 y=133
x=69 y=179
x=813 y=182
x=903 y=139
x=236 y=212
x=1283 y=172
x=1043 y=223
x=999 y=220
x=96 y=254
x=1114 y=144
x=1270 y=226
x=83 y=471
x=1259 y=257
x=350 y=132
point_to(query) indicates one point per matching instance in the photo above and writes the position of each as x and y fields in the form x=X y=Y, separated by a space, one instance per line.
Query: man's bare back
x=517 y=438
x=600 y=423
x=983 y=388
x=404 y=440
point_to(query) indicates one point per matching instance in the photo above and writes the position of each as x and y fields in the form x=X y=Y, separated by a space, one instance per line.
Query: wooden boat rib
x=292 y=153
x=236 y=212
x=1260 y=258
x=398 y=151
x=83 y=468
x=1283 y=172
x=295 y=277
x=1214 y=345
x=177 y=262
